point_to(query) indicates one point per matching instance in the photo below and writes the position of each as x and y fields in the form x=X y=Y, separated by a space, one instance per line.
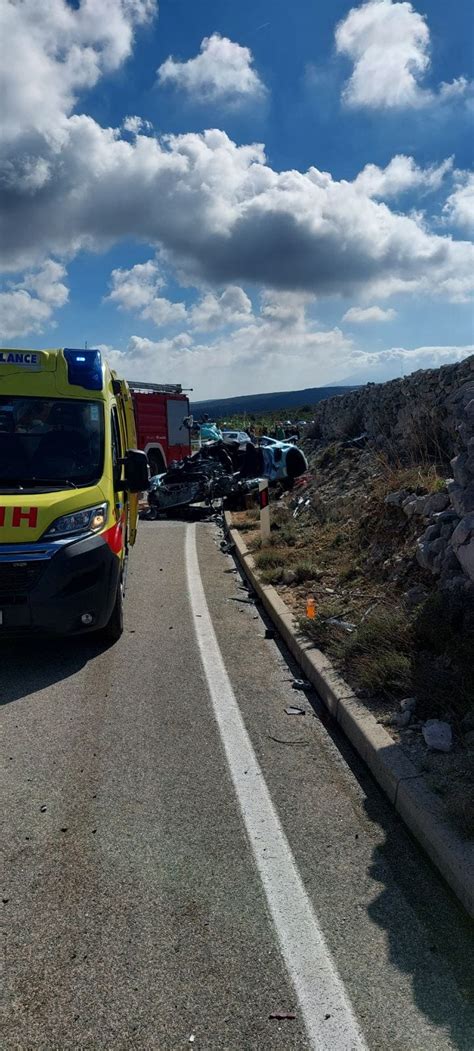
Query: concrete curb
x=395 y=773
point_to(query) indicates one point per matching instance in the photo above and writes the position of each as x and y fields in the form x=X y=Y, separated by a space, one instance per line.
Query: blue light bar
x=84 y=368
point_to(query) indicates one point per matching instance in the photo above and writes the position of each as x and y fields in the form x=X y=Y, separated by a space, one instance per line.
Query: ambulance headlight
x=90 y=520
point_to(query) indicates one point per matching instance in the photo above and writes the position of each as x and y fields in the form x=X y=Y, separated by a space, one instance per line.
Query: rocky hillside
x=424 y=418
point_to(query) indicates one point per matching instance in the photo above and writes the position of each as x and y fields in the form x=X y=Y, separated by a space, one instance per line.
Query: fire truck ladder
x=155 y=388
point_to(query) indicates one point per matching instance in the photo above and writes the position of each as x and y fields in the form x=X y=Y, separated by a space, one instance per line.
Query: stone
x=409 y=506
x=400 y=719
x=460 y=469
x=408 y=704
x=423 y=554
x=397 y=499
x=288 y=576
x=465 y=557
x=461 y=498
x=445 y=516
x=420 y=506
x=436 y=503
x=438 y=735
x=431 y=533
x=463 y=530
x=415 y=596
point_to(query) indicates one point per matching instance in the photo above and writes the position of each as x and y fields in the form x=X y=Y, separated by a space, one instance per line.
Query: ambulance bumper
x=49 y=588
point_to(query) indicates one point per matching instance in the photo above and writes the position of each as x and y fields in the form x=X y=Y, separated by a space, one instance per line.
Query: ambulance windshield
x=50 y=441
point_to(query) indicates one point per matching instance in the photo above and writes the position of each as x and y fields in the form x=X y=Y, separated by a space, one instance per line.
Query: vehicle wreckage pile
x=221 y=470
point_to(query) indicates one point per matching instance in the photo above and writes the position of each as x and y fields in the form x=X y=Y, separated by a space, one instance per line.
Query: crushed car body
x=221 y=470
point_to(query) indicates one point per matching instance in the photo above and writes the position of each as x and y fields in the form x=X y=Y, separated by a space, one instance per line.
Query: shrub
x=306 y=570
x=378 y=654
x=269 y=559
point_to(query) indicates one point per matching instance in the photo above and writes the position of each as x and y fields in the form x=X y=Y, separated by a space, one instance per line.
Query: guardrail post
x=264 y=509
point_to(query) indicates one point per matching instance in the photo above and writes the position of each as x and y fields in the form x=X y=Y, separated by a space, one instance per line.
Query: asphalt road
x=143 y=907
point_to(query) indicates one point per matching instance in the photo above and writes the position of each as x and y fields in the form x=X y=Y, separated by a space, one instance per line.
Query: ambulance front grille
x=16 y=578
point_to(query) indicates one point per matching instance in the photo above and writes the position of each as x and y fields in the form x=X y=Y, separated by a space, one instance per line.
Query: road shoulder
x=394 y=772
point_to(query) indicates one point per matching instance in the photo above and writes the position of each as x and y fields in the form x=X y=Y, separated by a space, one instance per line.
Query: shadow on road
x=28 y=666
x=413 y=901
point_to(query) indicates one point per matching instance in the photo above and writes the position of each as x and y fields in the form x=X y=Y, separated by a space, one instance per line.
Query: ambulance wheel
x=114 y=628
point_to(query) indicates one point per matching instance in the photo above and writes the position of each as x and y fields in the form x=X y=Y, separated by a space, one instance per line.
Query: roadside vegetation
x=335 y=539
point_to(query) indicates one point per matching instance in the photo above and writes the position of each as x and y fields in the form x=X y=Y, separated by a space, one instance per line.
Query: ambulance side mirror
x=136 y=471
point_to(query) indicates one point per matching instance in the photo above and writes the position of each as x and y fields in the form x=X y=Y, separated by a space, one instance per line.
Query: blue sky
x=289 y=204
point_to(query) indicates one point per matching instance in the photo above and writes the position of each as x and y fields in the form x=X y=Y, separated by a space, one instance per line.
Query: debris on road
x=283 y=1016
x=279 y=740
x=292 y=710
x=43 y=808
x=301 y=684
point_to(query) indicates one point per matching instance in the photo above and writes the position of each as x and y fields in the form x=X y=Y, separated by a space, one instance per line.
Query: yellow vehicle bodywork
x=38 y=515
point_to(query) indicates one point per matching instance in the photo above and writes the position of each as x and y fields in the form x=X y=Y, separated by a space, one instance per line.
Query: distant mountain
x=253 y=404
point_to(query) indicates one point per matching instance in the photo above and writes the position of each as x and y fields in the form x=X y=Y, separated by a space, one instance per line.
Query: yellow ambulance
x=69 y=482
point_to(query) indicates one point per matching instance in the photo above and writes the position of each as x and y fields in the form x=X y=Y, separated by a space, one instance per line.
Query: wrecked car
x=220 y=471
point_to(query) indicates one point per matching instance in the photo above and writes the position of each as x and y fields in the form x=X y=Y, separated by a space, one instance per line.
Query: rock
x=436 y=503
x=462 y=499
x=397 y=499
x=431 y=533
x=463 y=530
x=423 y=554
x=462 y=542
x=420 y=505
x=438 y=735
x=400 y=719
x=408 y=704
x=445 y=516
x=409 y=506
x=460 y=470
x=288 y=576
x=415 y=596
x=465 y=556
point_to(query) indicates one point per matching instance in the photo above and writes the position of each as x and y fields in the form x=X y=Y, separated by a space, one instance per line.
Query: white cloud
x=361 y=315
x=400 y=175
x=399 y=361
x=221 y=72
x=27 y=305
x=137 y=125
x=217 y=211
x=459 y=207
x=389 y=45
x=232 y=307
x=224 y=216
x=59 y=51
x=459 y=88
x=138 y=290
x=265 y=353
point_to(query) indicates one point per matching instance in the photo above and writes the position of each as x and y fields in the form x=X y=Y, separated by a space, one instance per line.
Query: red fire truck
x=161 y=411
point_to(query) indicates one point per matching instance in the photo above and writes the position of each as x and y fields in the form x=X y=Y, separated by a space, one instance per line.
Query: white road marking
x=326 y=1010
